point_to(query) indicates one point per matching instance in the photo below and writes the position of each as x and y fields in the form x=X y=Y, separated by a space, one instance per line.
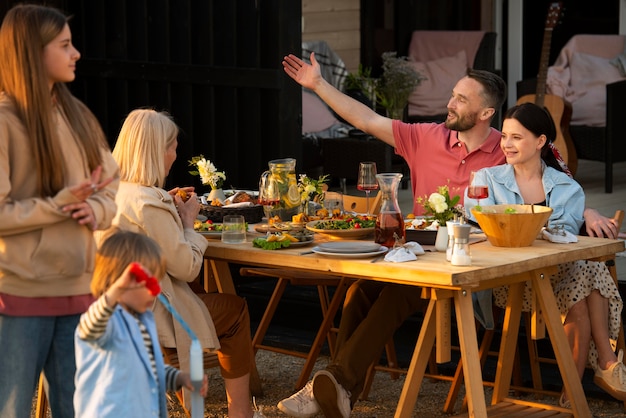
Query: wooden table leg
x=562 y=350
x=323 y=330
x=417 y=368
x=508 y=342
x=468 y=342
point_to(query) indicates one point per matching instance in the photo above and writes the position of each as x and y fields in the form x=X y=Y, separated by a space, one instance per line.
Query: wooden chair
x=329 y=306
x=535 y=359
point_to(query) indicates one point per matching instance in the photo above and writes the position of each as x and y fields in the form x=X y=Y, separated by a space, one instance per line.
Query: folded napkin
x=239 y=205
x=406 y=252
x=400 y=255
x=561 y=236
x=415 y=247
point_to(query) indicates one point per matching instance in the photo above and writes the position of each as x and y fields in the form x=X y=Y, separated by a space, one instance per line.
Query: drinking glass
x=477 y=191
x=333 y=202
x=367 y=180
x=234 y=229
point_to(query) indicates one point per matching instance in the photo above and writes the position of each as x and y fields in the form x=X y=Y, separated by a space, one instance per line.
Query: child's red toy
x=140 y=274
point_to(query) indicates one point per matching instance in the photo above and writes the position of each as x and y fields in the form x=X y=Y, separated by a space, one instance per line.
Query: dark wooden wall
x=215 y=65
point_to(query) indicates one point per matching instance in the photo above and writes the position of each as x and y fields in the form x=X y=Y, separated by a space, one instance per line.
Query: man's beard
x=462 y=123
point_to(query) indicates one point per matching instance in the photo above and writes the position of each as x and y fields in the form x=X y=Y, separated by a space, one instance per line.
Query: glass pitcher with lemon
x=278 y=190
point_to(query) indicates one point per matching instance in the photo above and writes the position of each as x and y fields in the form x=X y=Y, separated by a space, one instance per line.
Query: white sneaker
x=613 y=379
x=301 y=404
x=332 y=398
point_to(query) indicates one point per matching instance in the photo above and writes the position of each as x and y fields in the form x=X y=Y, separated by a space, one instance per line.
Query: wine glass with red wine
x=477 y=191
x=367 y=180
x=269 y=195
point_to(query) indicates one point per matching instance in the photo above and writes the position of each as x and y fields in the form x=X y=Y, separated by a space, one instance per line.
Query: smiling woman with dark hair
x=586 y=294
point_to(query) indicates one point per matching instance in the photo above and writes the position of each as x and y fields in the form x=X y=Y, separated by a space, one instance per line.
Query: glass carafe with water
x=278 y=190
x=389 y=221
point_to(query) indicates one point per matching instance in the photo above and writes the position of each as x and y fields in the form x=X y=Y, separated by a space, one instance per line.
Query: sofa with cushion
x=443 y=58
x=589 y=73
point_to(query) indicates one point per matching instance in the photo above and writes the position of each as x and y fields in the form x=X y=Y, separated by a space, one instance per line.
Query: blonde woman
x=145 y=151
x=56 y=187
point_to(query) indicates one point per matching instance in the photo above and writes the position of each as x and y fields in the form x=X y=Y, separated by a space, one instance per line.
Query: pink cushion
x=581 y=72
x=428 y=45
x=432 y=95
x=316 y=116
x=587 y=91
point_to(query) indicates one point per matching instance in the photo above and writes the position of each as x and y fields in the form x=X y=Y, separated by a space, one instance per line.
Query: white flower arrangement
x=440 y=206
x=208 y=172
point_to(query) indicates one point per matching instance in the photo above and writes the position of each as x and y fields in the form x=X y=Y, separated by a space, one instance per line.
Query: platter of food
x=208 y=228
x=351 y=227
x=418 y=229
x=279 y=240
x=278 y=227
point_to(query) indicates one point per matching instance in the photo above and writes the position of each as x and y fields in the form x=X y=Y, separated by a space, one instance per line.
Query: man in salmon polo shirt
x=436 y=153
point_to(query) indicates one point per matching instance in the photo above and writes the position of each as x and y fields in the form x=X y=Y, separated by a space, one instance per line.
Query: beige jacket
x=43 y=251
x=151 y=211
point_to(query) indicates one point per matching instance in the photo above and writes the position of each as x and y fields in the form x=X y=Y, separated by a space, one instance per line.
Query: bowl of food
x=419 y=230
x=512 y=225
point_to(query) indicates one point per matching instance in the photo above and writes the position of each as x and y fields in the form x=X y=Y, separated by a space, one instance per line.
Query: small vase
x=216 y=194
x=441 y=242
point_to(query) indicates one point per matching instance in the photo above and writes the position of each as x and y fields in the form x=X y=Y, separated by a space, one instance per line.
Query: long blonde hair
x=141 y=145
x=25 y=31
x=118 y=250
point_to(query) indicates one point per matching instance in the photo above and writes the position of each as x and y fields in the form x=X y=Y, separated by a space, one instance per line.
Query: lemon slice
x=293 y=195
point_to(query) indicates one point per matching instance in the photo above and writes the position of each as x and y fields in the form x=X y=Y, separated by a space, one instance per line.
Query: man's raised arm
x=351 y=110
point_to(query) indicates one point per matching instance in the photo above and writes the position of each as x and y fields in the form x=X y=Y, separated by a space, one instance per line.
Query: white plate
x=300 y=243
x=349 y=247
x=210 y=233
x=382 y=250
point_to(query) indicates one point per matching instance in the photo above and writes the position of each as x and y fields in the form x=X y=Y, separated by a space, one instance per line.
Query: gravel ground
x=278 y=373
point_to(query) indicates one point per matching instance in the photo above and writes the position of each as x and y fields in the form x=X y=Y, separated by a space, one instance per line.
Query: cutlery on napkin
x=559 y=235
x=405 y=252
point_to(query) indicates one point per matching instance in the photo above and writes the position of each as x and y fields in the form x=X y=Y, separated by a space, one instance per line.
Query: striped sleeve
x=93 y=323
x=171 y=376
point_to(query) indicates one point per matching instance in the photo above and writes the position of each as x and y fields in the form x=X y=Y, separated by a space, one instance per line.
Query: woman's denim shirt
x=563 y=194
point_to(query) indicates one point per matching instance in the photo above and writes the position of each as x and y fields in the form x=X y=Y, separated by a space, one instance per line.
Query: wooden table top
x=430 y=269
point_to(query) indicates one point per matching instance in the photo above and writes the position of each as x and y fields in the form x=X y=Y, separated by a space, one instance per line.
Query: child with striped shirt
x=119 y=365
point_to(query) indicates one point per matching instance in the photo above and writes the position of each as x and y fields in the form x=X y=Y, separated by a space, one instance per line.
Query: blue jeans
x=30 y=345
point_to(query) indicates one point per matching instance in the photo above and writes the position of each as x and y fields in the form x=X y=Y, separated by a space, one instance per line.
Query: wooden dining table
x=444 y=284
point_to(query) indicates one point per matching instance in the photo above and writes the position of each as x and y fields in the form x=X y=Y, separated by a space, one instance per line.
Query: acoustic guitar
x=559 y=109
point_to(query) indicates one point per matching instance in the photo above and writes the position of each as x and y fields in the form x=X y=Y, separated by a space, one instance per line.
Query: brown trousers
x=232 y=324
x=371 y=314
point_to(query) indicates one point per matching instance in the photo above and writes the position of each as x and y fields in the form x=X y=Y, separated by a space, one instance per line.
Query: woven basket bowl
x=252 y=214
x=518 y=229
